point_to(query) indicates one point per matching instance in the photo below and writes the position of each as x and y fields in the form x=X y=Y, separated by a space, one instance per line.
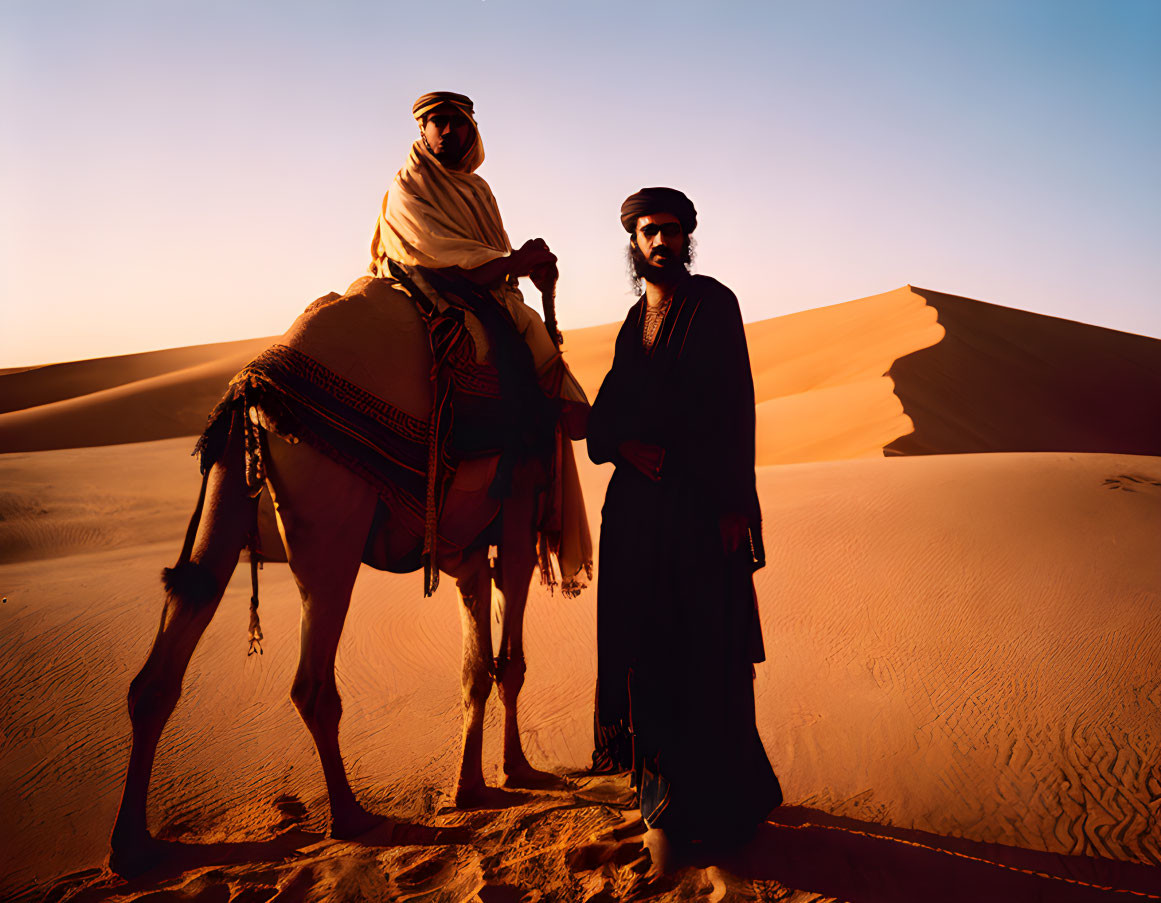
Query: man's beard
x=665 y=268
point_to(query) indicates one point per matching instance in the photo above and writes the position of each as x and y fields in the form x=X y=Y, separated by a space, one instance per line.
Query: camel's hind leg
x=193 y=591
x=324 y=513
x=517 y=563
x=474 y=584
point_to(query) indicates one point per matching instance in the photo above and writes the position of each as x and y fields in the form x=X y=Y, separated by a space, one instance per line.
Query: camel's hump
x=373 y=336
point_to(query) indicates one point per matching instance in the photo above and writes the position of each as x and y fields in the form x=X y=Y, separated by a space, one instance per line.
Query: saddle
x=396 y=388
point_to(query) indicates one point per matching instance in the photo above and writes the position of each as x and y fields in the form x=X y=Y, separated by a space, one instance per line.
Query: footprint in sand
x=1133 y=482
x=292 y=810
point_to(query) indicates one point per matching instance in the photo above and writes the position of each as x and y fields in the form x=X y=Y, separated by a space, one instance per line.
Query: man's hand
x=544 y=277
x=531 y=255
x=733 y=527
x=646 y=458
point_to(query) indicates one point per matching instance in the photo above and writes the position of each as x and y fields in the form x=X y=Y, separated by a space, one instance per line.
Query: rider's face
x=448 y=133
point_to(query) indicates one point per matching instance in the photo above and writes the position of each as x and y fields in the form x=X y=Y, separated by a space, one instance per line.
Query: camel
x=327 y=524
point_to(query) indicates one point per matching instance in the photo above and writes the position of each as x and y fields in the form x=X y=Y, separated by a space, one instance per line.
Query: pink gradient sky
x=177 y=172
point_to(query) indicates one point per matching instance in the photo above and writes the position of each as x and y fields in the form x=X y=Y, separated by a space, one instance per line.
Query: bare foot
x=666 y=856
x=133 y=856
x=526 y=777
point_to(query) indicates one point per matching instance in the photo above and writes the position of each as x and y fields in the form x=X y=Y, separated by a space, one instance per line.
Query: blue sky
x=179 y=172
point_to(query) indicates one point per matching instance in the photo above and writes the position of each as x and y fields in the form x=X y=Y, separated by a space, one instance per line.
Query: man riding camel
x=413 y=421
x=440 y=238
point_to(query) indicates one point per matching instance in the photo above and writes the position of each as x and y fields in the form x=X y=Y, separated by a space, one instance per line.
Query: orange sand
x=961 y=696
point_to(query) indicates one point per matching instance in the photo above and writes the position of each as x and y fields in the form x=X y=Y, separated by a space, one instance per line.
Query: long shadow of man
x=864 y=862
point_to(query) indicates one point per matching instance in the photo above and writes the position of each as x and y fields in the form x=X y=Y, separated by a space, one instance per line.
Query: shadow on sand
x=175 y=859
x=863 y=862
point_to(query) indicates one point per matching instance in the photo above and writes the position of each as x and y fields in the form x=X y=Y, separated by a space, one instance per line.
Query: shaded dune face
x=1008 y=380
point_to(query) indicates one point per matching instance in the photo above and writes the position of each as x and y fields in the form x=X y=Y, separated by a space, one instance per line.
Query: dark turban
x=649 y=201
x=429 y=102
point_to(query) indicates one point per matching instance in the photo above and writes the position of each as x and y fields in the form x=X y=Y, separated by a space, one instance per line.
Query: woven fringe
x=431 y=518
x=255 y=625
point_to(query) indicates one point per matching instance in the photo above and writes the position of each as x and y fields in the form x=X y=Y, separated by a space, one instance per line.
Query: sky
x=173 y=173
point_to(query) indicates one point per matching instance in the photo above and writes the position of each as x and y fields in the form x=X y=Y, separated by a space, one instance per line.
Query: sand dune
x=909 y=371
x=172 y=403
x=961 y=696
x=26 y=387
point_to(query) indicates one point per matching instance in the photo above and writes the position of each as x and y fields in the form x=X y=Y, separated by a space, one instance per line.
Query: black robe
x=677 y=620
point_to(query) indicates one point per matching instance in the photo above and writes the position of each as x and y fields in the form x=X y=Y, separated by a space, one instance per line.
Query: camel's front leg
x=517 y=562
x=510 y=670
x=324 y=513
x=475 y=591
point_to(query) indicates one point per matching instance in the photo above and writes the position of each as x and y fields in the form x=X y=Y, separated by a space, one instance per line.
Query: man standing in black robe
x=681 y=535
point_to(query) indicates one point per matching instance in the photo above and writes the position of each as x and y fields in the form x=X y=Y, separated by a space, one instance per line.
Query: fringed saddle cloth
x=393 y=386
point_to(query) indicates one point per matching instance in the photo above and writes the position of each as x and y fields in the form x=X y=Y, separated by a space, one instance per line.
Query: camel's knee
x=510 y=677
x=317 y=701
x=190 y=585
x=475 y=590
x=477 y=685
x=152 y=697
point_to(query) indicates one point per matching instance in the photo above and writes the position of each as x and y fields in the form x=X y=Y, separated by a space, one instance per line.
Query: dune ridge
x=27 y=387
x=909 y=371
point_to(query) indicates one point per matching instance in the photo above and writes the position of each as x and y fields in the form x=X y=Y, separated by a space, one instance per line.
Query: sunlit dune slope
x=162 y=394
x=908 y=371
x=819 y=378
x=173 y=403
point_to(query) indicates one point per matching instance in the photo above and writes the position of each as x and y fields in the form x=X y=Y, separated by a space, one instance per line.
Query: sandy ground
x=961 y=697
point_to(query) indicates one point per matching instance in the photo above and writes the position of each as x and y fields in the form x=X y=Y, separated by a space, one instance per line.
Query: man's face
x=448 y=133
x=660 y=242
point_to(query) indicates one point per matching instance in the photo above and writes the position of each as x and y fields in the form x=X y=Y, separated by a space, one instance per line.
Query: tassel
x=255 y=625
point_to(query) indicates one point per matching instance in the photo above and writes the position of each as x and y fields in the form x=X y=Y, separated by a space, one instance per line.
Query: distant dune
x=960 y=696
x=27 y=387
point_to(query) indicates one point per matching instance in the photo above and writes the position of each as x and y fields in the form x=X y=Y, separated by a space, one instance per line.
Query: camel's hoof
x=525 y=777
x=357 y=824
x=130 y=857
